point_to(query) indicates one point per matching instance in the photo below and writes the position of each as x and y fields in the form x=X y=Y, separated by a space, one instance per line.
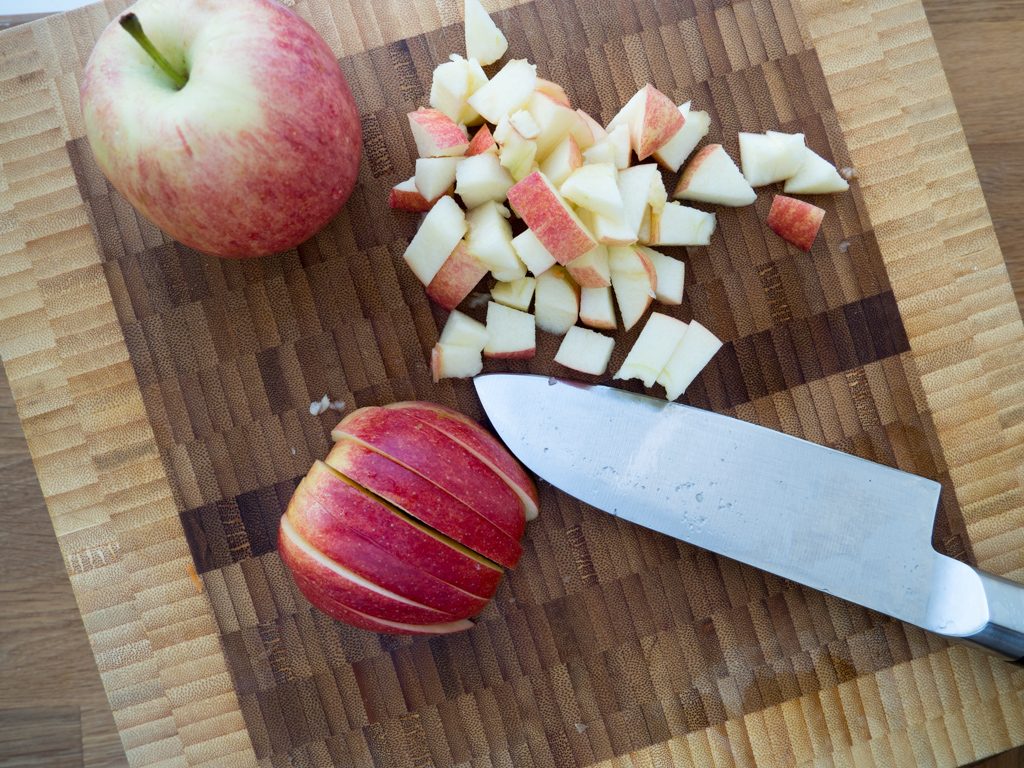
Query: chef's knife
x=820 y=517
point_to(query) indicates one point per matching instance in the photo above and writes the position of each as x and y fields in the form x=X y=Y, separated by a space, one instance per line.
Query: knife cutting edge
x=837 y=523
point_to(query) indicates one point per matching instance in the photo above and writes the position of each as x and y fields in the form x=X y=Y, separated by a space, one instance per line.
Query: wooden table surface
x=53 y=711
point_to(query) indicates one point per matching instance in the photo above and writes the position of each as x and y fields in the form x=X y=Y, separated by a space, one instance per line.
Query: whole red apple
x=227 y=123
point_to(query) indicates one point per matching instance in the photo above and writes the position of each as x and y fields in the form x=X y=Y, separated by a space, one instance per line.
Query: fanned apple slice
x=440 y=232
x=633 y=281
x=699 y=345
x=511 y=334
x=712 y=177
x=484 y=41
x=516 y=293
x=597 y=309
x=671 y=275
x=653 y=349
x=817 y=176
x=456 y=278
x=448 y=361
x=557 y=303
x=585 y=351
x=795 y=221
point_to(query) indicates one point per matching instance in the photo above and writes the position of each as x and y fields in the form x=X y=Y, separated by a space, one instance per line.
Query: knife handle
x=1003 y=634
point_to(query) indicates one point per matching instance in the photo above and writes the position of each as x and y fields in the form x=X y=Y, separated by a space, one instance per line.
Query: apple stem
x=131 y=24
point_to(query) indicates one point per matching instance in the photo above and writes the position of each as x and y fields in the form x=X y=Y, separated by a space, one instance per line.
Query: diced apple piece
x=524 y=124
x=671 y=276
x=484 y=41
x=557 y=303
x=482 y=141
x=405 y=197
x=596 y=188
x=771 y=157
x=555 y=224
x=585 y=351
x=452 y=362
x=596 y=308
x=461 y=330
x=562 y=161
x=657 y=196
x=608 y=230
x=680 y=225
x=490 y=240
x=795 y=221
x=649 y=226
x=439 y=233
x=509 y=90
x=673 y=153
x=817 y=176
x=436 y=134
x=591 y=270
x=517 y=154
x=653 y=349
x=620 y=142
x=554 y=120
x=699 y=345
x=553 y=91
x=455 y=279
x=530 y=251
x=511 y=334
x=635 y=185
x=634 y=282
x=515 y=293
x=629 y=113
x=597 y=131
x=583 y=132
x=601 y=152
x=454 y=82
x=435 y=175
x=712 y=177
x=653 y=122
x=480 y=178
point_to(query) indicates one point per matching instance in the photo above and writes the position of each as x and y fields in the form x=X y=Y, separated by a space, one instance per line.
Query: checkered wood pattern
x=165 y=399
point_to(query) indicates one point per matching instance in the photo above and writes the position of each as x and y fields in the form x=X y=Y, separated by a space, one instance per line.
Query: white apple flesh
x=516 y=293
x=451 y=362
x=695 y=351
x=435 y=175
x=490 y=240
x=484 y=41
x=453 y=83
x=816 y=176
x=712 y=177
x=480 y=178
x=509 y=90
x=532 y=252
x=461 y=330
x=673 y=153
x=634 y=282
x=511 y=334
x=594 y=187
x=585 y=351
x=682 y=225
x=770 y=157
x=671 y=274
x=652 y=349
x=440 y=231
x=557 y=301
x=597 y=309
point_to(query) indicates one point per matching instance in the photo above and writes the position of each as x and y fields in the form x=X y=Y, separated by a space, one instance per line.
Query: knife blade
x=832 y=521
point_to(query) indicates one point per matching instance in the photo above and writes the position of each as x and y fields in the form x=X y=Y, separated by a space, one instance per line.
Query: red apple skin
x=482 y=141
x=457 y=277
x=519 y=354
x=396 y=535
x=693 y=166
x=423 y=500
x=410 y=200
x=535 y=201
x=795 y=221
x=242 y=190
x=553 y=91
x=661 y=121
x=442 y=137
x=481 y=443
x=440 y=460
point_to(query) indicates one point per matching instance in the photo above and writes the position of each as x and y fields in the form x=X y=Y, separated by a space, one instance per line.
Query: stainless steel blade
x=831 y=521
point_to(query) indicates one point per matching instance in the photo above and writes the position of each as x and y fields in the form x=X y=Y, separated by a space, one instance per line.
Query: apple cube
x=451 y=362
x=532 y=253
x=599 y=153
x=555 y=224
x=517 y=154
x=482 y=141
x=480 y=178
x=767 y=158
x=673 y=153
x=712 y=177
x=440 y=232
x=557 y=303
x=652 y=120
x=509 y=90
x=585 y=351
x=435 y=175
x=562 y=161
x=555 y=121
x=490 y=240
x=634 y=282
x=816 y=176
x=637 y=185
x=795 y=221
x=629 y=112
x=680 y=225
x=553 y=91
x=484 y=41
x=620 y=142
x=596 y=308
x=652 y=349
x=455 y=279
x=591 y=270
x=511 y=334
x=405 y=197
x=671 y=274
x=514 y=293
x=695 y=351
x=596 y=188
x=453 y=83
x=608 y=230
x=524 y=124
x=436 y=134
x=461 y=330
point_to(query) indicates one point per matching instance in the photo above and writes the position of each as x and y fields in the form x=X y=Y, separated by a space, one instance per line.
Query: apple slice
x=484 y=41
x=453 y=83
x=597 y=131
x=405 y=197
x=557 y=303
x=517 y=153
x=435 y=175
x=562 y=161
x=596 y=308
x=436 y=134
x=361 y=620
x=532 y=253
x=657 y=195
x=516 y=293
x=619 y=140
x=634 y=282
x=482 y=141
x=553 y=91
x=594 y=187
x=555 y=224
x=599 y=153
x=591 y=270
x=817 y=176
x=456 y=278
x=511 y=334
x=771 y=157
x=673 y=153
x=795 y=221
x=637 y=185
x=490 y=240
x=524 y=124
x=653 y=349
x=699 y=345
x=607 y=230
x=461 y=330
x=712 y=177
x=440 y=232
x=451 y=362
x=585 y=351
x=650 y=226
x=480 y=178
x=680 y=225
x=555 y=121
x=671 y=274
x=655 y=123
x=509 y=90
x=630 y=112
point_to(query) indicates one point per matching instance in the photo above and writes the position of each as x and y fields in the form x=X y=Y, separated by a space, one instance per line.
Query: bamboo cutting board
x=165 y=398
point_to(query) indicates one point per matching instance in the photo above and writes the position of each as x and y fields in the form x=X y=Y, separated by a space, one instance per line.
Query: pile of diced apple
x=555 y=209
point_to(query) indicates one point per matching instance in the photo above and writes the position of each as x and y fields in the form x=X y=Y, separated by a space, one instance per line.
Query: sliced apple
x=509 y=90
x=482 y=141
x=637 y=185
x=461 y=330
x=480 y=178
x=699 y=345
x=511 y=334
x=712 y=177
x=596 y=308
x=650 y=225
x=532 y=253
x=599 y=153
x=673 y=153
x=619 y=140
x=629 y=113
x=597 y=131
x=655 y=123
x=484 y=41
x=557 y=303
x=451 y=362
x=562 y=161
x=591 y=270
x=436 y=134
x=767 y=158
x=795 y=221
x=555 y=121
x=816 y=176
x=440 y=232
x=457 y=277
x=555 y=224
x=634 y=282
x=585 y=351
x=594 y=187
x=515 y=293
x=653 y=349
x=553 y=91
x=435 y=175
x=681 y=225
x=372 y=624
x=524 y=124
x=490 y=240
x=608 y=230
x=657 y=195
x=517 y=154
x=453 y=83
x=405 y=197
x=671 y=274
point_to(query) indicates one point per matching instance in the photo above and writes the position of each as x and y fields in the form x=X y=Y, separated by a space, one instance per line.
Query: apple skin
x=795 y=221
x=456 y=278
x=559 y=230
x=254 y=154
